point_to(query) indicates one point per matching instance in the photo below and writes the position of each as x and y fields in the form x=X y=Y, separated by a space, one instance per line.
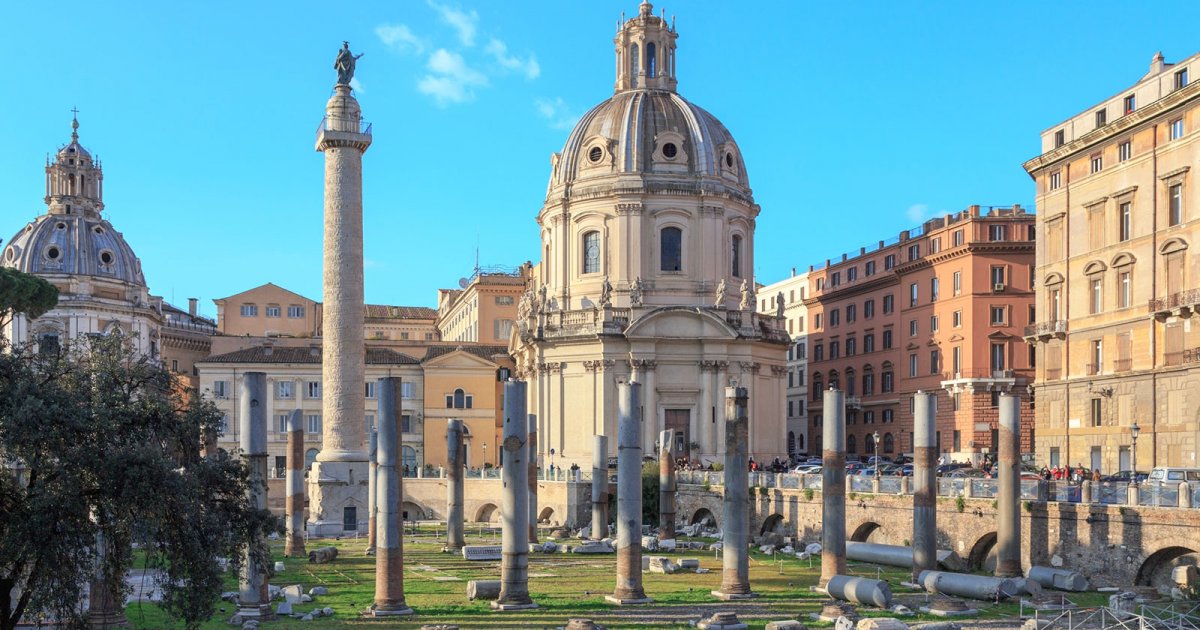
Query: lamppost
x=553 y=468
x=875 y=437
x=1134 y=429
x=485 y=460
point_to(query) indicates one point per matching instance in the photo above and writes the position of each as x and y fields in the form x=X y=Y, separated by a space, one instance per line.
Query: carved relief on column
x=779 y=371
x=629 y=208
x=749 y=367
x=599 y=365
x=642 y=365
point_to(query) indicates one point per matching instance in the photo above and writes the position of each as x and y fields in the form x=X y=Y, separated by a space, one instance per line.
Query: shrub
x=960 y=504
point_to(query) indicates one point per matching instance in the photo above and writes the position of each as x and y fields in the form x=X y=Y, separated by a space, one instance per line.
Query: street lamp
x=485 y=459
x=1134 y=429
x=875 y=436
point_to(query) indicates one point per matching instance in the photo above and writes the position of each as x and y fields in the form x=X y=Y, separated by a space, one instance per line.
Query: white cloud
x=450 y=80
x=918 y=213
x=556 y=112
x=401 y=39
x=527 y=66
x=464 y=22
x=357 y=85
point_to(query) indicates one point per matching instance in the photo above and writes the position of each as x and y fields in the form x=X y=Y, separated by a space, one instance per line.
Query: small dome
x=649 y=131
x=74 y=245
x=74 y=149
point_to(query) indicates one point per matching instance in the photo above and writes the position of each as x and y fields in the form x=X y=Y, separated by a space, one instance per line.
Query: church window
x=106 y=257
x=52 y=253
x=669 y=150
x=737 y=256
x=651 y=61
x=671 y=245
x=591 y=252
x=595 y=154
x=729 y=160
x=48 y=343
x=633 y=65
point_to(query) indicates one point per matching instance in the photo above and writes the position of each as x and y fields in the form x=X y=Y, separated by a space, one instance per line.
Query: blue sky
x=856 y=120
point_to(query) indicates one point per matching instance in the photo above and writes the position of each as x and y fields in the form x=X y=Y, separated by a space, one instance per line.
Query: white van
x=1191 y=475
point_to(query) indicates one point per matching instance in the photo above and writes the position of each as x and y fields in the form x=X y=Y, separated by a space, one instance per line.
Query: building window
x=1101 y=117
x=999 y=357
x=933 y=289
x=868 y=384
x=1124 y=151
x=220 y=389
x=868 y=342
x=1125 y=220
x=1097 y=296
x=889 y=261
x=912 y=294
x=295 y=311
x=312 y=389
x=835 y=279
x=957 y=319
x=957 y=282
x=914 y=251
x=591 y=252
x=459 y=400
x=273 y=310
x=851 y=313
x=314 y=423
x=934 y=361
x=997 y=233
x=886 y=385
x=1175 y=204
x=912 y=364
x=801 y=350
x=504 y=300
x=912 y=328
x=933 y=323
x=957 y=238
x=888 y=304
x=1176 y=129
x=869 y=268
x=249 y=310
x=888 y=416
x=407 y=390
x=817 y=321
x=869 y=309
x=834 y=348
x=1130 y=103
x=935 y=245
x=1060 y=138
x=1097 y=357
x=372 y=389
x=671 y=244
x=852 y=274
x=998 y=276
x=956 y=360
x=887 y=339
x=285 y=389
x=850 y=347
x=835 y=317
x=998 y=315
x=1125 y=283
x=818 y=352
x=736 y=257
x=1055 y=180
x=1181 y=79
x=1097 y=163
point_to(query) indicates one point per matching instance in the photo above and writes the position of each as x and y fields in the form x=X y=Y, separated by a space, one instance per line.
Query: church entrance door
x=680 y=420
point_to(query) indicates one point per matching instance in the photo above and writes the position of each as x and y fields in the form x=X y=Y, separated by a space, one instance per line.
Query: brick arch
x=863 y=532
x=774 y=523
x=412 y=511
x=545 y=514
x=701 y=514
x=980 y=551
x=1162 y=558
x=487 y=513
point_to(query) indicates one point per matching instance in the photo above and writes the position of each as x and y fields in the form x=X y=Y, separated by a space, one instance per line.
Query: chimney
x=1157 y=63
x=793 y=272
x=192 y=302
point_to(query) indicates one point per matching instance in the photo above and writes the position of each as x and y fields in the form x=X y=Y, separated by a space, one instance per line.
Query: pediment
x=680 y=322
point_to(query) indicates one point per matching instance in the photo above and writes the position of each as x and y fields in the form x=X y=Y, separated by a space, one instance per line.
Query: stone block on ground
x=279 y=566
x=667 y=544
x=581 y=624
x=483 y=589
x=813 y=549
x=321 y=555
x=843 y=623
x=481 y=553
x=689 y=563
x=292 y=594
x=723 y=620
x=881 y=623
x=593 y=546
x=306 y=599
x=786 y=624
x=1184 y=575
x=318 y=590
x=715 y=546
x=649 y=543
x=284 y=609
x=939 y=625
x=660 y=564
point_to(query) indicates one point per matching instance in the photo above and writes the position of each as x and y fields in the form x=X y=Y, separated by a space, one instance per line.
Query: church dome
x=73 y=245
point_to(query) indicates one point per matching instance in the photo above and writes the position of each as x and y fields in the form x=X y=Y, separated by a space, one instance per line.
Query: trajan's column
x=338 y=481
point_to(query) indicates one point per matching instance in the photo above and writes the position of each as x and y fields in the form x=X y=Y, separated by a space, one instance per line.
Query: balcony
x=1122 y=365
x=1181 y=304
x=979 y=378
x=854 y=402
x=1045 y=331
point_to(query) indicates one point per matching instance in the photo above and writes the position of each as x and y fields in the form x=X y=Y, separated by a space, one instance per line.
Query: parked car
x=852 y=467
x=807 y=470
x=905 y=470
x=945 y=468
x=965 y=473
x=1125 y=476
x=1175 y=474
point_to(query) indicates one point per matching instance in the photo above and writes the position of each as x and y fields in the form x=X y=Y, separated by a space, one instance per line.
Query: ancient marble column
x=600 y=488
x=666 y=486
x=455 y=538
x=293 y=505
x=833 y=485
x=340 y=473
x=372 y=491
x=389 y=551
x=254 y=602
x=630 y=430
x=514 y=514
x=1008 y=499
x=924 y=485
x=735 y=556
x=533 y=481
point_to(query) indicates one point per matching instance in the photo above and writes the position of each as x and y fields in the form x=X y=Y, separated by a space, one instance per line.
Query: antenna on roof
x=462 y=283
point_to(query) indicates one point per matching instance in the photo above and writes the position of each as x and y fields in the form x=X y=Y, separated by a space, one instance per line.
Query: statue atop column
x=344 y=64
x=605 y=293
x=719 y=295
x=747 y=302
x=635 y=292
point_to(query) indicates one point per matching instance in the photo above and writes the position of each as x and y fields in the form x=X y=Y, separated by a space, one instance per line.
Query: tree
x=24 y=293
x=96 y=442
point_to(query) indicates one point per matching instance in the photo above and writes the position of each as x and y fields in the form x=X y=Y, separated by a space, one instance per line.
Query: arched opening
x=851 y=446
x=1158 y=563
x=633 y=65
x=487 y=513
x=651 y=60
x=981 y=553
x=774 y=524
x=889 y=443
x=71 y=184
x=408 y=457
x=791 y=444
x=863 y=532
x=703 y=517
x=671 y=249
x=310 y=456
x=460 y=399
x=800 y=443
x=545 y=515
x=869 y=444
x=736 y=255
x=410 y=511
x=591 y=252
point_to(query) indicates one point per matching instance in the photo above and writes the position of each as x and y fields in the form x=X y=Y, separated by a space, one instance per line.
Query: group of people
x=776 y=466
x=1066 y=473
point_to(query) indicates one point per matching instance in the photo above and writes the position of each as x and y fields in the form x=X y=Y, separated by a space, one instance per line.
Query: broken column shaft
x=924 y=484
x=833 y=485
x=514 y=473
x=735 y=557
x=389 y=538
x=293 y=504
x=1008 y=531
x=252 y=421
x=629 y=496
x=600 y=488
x=455 y=539
x=666 y=486
x=533 y=483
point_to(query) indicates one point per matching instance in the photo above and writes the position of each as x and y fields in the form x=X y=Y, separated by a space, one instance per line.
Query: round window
x=595 y=154
x=52 y=253
x=729 y=160
x=106 y=257
x=670 y=150
x=10 y=254
x=60 y=226
x=98 y=230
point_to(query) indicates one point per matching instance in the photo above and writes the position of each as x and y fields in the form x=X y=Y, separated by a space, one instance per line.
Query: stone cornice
x=1125 y=191
x=1094 y=202
x=1174 y=173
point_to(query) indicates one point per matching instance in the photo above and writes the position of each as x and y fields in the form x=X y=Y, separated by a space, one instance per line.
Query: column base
x=621 y=601
x=107 y=619
x=727 y=597
x=261 y=612
x=399 y=612
x=498 y=607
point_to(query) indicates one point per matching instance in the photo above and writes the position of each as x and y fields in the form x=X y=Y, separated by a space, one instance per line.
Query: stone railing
x=1158 y=494
x=586 y=321
x=1047 y=330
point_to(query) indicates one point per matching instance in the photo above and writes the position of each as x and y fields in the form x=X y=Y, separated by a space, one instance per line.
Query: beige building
x=272 y=311
x=186 y=338
x=484 y=309
x=791 y=293
x=647 y=238
x=1117 y=282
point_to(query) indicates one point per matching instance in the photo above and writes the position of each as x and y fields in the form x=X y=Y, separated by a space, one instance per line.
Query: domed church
x=99 y=279
x=647 y=237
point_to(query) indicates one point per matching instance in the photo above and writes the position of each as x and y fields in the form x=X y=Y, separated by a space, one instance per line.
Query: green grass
x=563 y=586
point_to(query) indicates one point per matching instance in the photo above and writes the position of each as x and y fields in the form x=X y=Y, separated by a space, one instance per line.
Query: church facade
x=647 y=237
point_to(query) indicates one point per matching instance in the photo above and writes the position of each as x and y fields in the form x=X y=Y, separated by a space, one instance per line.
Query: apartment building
x=790 y=293
x=939 y=309
x=1118 y=284
x=483 y=308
